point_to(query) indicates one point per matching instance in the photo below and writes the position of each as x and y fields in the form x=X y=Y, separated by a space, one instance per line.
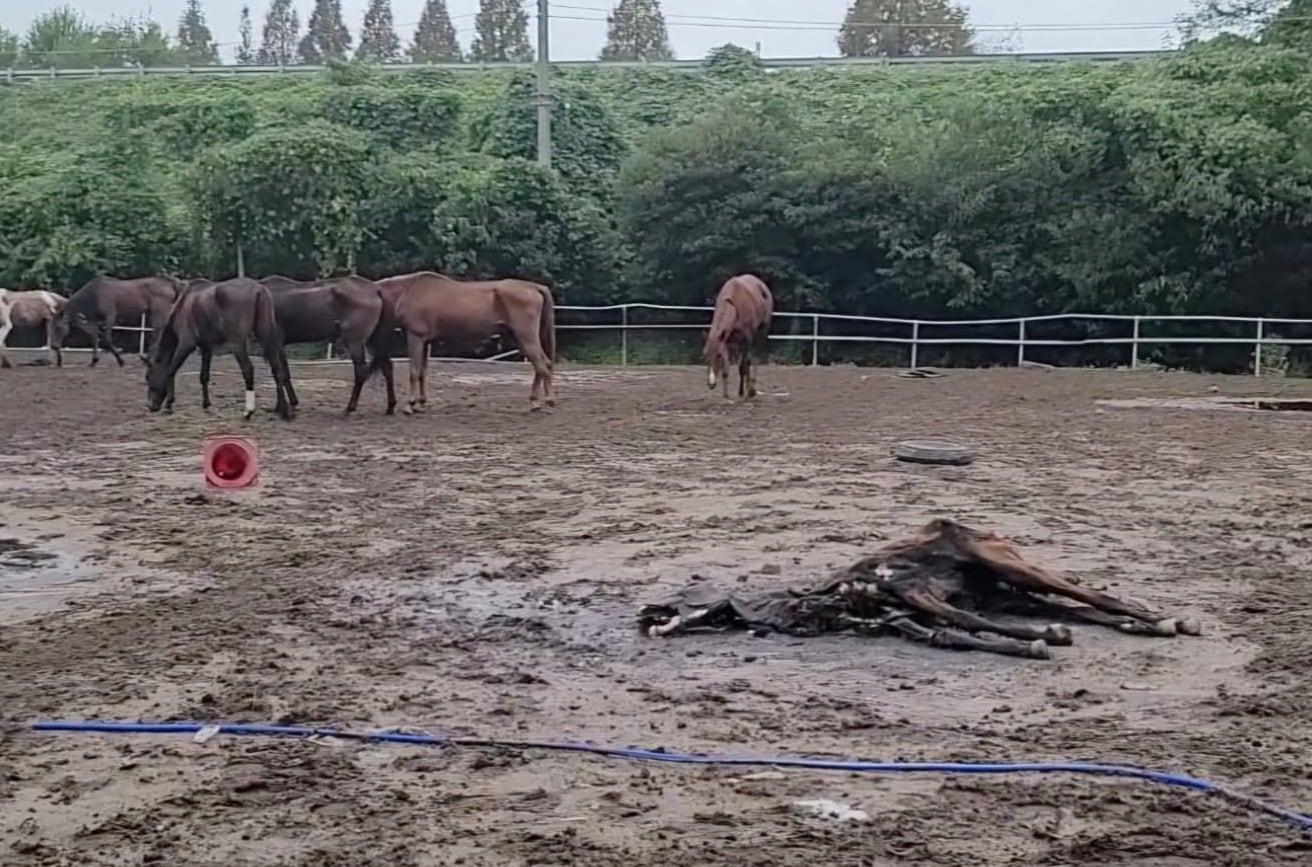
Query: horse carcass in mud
x=942 y=587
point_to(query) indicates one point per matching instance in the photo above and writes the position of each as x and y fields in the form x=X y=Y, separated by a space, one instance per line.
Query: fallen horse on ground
x=941 y=587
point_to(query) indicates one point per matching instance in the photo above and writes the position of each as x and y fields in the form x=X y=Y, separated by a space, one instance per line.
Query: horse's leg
x=288 y=389
x=951 y=639
x=107 y=332
x=282 y=381
x=388 y=376
x=361 y=374
x=53 y=341
x=248 y=374
x=206 y=356
x=744 y=371
x=923 y=600
x=417 y=347
x=541 y=371
x=6 y=325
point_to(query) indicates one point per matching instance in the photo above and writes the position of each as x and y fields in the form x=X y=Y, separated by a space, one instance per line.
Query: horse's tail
x=547 y=324
x=266 y=324
x=380 y=342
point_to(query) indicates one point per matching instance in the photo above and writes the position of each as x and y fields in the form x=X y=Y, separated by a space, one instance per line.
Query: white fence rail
x=1261 y=336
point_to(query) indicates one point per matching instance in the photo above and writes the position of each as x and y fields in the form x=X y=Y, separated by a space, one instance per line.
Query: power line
x=812 y=23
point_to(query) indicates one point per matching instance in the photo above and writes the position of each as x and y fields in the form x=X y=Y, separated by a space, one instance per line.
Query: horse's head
x=716 y=354
x=159 y=368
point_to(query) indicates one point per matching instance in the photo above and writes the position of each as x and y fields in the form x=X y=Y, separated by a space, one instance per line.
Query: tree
x=195 y=41
x=435 y=37
x=501 y=32
x=905 y=28
x=61 y=38
x=8 y=49
x=326 y=37
x=636 y=31
x=1244 y=17
x=245 y=52
x=281 y=27
x=135 y=43
x=378 y=40
x=1291 y=26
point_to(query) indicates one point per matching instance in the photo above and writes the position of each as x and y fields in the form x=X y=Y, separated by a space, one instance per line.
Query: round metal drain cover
x=933 y=452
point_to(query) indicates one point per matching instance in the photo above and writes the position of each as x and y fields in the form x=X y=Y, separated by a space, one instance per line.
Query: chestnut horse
x=104 y=302
x=742 y=319
x=432 y=308
x=208 y=315
x=28 y=310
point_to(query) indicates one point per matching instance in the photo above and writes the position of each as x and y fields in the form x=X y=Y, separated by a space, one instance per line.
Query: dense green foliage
x=1183 y=185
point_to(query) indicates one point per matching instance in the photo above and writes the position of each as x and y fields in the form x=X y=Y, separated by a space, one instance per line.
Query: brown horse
x=104 y=302
x=432 y=308
x=742 y=319
x=350 y=310
x=208 y=315
x=28 y=310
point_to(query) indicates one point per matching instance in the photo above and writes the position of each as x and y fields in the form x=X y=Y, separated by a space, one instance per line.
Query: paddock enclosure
x=478 y=570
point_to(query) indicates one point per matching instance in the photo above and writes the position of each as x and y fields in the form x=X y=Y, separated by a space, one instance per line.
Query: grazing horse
x=28 y=310
x=432 y=308
x=104 y=302
x=351 y=310
x=208 y=315
x=743 y=309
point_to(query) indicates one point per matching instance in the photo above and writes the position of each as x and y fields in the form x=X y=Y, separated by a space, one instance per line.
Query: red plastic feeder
x=230 y=462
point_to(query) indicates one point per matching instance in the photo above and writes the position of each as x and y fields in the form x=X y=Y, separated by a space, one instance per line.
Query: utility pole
x=544 y=85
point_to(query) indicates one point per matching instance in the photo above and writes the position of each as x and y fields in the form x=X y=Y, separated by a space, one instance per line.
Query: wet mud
x=477 y=570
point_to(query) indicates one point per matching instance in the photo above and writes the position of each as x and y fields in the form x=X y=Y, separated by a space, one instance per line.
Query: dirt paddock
x=476 y=570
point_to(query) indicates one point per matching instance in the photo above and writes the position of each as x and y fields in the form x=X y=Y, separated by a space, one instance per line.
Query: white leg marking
x=250 y=401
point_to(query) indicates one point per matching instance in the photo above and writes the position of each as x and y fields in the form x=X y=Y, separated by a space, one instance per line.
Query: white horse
x=27 y=310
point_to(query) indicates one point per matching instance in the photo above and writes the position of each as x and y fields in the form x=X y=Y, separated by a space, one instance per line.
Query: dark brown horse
x=105 y=302
x=348 y=310
x=210 y=315
x=435 y=309
x=741 y=320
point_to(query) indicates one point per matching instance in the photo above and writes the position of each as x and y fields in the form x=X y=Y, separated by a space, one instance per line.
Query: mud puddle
x=41 y=565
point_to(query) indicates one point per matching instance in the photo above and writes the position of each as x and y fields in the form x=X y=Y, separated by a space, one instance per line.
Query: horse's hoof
x=1165 y=628
x=1039 y=650
x=1188 y=626
x=551 y=402
x=1058 y=634
x=248 y=416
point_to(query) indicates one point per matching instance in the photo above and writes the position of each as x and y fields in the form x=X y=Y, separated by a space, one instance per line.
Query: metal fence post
x=915 y=344
x=1020 y=347
x=815 y=339
x=1257 y=351
x=141 y=343
x=624 y=336
x=1134 y=347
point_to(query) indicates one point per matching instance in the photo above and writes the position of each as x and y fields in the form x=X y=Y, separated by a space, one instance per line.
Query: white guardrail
x=771 y=64
x=913 y=339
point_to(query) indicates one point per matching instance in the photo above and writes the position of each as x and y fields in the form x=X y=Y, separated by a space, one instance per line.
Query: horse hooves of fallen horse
x=942 y=587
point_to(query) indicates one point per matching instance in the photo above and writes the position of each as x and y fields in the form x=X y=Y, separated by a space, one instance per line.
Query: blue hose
x=1302 y=821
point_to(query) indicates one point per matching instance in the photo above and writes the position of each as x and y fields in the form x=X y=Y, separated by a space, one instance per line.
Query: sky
x=1014 y=25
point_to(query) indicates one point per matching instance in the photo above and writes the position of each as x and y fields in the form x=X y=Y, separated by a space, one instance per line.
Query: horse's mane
x=167 y=341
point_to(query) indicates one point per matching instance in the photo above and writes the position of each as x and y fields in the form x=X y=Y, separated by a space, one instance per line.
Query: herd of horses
x=362 y=316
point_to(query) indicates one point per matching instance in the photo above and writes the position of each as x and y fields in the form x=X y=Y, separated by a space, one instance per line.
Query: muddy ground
x=476 y=571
